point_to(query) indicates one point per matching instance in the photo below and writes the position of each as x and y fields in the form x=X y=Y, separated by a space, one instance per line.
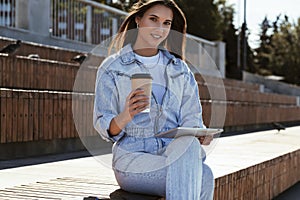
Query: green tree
x=230 y=38
x=286 y=50
x=263 y=52
x=203 y=18
x=279 y=49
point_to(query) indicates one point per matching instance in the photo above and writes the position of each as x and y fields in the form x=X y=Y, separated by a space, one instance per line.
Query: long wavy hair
x=174 y=43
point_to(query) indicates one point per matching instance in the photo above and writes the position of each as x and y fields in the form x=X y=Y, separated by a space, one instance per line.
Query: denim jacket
x=180 y=106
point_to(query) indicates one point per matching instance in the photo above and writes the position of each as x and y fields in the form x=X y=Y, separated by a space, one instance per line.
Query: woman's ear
x=137 y=20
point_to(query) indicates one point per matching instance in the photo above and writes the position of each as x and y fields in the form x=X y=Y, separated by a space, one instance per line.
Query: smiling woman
x=151 y=40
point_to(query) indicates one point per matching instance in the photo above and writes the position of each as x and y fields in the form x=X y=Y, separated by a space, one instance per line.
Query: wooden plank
x=75 y=112
x=46 y=123
x=30 y=120
x=14 y=119
x=3 y=116
x=55 y=115
x=37 y=74
x=2 y=64
x=20 y=117
x=41 y=116
x=24 y=195
x=50 y=116
x=64 y=116
x=85 y=115
x=23 y=73
x=71 y=120
x=59 y=77
x=69 y=117
x=4 y=73
x=59 y=116
x=55 y=75
x=48 y=76
x=90 y=115
x=9 y=116
x=30 y=76
x=35 y=96
x=44 y=78
x=10 y=72
x=80 y=115
x=60 y=190
x=26 y=117
x=17 y=73
x=8 y=195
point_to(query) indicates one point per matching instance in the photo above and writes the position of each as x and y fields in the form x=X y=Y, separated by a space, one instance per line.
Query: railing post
x=220 y=57
x=89 y=24
x=22 y=11
x=114 y=26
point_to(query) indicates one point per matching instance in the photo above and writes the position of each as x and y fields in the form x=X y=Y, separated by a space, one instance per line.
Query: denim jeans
x=172 y=169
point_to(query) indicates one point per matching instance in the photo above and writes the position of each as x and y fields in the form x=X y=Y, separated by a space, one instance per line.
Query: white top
x=156 y=68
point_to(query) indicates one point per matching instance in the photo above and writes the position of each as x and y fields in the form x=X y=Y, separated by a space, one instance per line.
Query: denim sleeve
x=191 y=109
x=105 y=104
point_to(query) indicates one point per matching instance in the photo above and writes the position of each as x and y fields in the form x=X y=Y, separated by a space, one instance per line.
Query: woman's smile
x=153 y=27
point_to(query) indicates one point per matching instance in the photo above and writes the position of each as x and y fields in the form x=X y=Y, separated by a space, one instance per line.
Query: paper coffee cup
x=142 y=81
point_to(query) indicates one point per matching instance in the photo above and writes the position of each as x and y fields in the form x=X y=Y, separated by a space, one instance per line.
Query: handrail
x=201 y=40
x=103 y=6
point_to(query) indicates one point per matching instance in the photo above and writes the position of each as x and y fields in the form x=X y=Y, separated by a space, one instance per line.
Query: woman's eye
x=153 y=19
x=168 y=23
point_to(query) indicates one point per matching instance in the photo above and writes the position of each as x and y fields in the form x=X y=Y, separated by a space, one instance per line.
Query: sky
x=256 y=10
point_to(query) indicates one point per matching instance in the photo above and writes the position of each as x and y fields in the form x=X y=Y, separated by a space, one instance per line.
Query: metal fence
x=8 y=13
x=84 y=21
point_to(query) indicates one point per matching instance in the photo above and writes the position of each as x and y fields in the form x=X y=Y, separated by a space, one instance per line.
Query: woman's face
x=154 y=26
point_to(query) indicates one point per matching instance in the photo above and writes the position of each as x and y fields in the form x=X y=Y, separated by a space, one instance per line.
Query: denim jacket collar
x=127 y=55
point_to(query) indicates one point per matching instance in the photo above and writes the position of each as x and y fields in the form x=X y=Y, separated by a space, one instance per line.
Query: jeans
x=174 y=170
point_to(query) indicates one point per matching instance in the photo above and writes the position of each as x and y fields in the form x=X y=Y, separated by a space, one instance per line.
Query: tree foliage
x=279 y=49
x=203 y=18
x=230 y=38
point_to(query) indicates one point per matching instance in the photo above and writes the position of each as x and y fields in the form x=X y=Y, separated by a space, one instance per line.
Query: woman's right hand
x=136 y=102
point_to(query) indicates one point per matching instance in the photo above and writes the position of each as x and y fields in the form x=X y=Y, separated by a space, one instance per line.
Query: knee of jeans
x=194 y=146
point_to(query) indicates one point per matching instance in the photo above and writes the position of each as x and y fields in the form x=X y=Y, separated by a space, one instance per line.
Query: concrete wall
x=272 y=85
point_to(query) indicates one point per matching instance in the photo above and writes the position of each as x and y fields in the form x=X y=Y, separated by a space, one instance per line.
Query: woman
x=151 y=40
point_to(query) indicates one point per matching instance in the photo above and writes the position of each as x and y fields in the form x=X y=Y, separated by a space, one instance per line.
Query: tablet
x=185 y=131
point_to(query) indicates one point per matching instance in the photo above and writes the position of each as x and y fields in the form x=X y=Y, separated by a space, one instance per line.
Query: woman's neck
x=145 y=51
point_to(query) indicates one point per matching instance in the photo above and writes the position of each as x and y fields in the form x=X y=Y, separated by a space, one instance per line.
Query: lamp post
x=244 y=29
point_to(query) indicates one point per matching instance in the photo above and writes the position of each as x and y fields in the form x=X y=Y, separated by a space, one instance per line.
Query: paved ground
x=292 y=193
x=79 y=171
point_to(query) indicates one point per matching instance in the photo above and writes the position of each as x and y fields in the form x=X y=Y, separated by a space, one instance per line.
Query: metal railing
x=8 y=13
x=84 y=20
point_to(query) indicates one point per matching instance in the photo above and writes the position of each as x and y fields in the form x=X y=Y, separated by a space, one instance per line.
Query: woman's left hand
x=206 y=140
